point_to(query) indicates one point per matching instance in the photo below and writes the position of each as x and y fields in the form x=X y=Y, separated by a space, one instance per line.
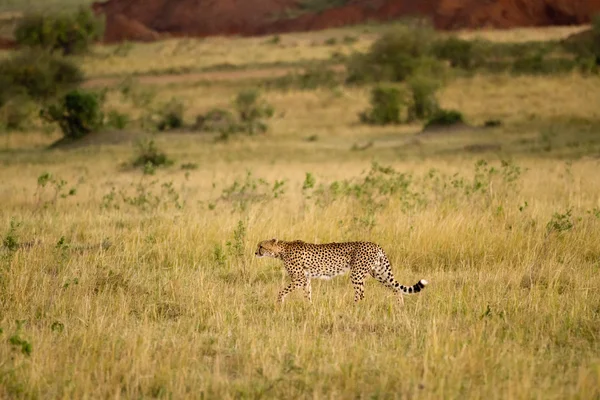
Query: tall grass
x=116 y=299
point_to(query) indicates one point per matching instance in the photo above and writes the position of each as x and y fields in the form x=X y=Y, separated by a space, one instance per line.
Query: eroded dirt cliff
x=147 y=20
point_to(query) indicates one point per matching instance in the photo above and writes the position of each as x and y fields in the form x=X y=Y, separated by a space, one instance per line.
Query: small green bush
x=538 y=64
x=255 y=127
x=445 y=118
x=521 y=58
x=386 y=105
x=492 y=123
x=16 y=113
x=250 y=107
x=189 y=166
x=458 y=52
x=249 y=117
x=394 y=56
x=140 y=96
x=8 y=90
x=149 y=156
x=117 y=120
x=586 y=45
x=252 y=111
x=349 y=39
x=423 y=101
x=65 y=33
x=276 y=39
x=317 y=77
x=78 y=113
x=38 y=74
x=216 y=120
x=170 y=115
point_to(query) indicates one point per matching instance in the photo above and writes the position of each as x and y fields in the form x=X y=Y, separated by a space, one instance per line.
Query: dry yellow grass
x=512 y=310
x=177 y=56
x=518 y=35
x=182 y=55
x=130 y=289
x=191 y=54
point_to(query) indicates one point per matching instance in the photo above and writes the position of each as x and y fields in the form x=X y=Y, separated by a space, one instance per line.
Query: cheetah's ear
x=274 y=241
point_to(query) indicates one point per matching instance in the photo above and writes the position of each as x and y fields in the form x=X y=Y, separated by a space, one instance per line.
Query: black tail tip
x=418 y=286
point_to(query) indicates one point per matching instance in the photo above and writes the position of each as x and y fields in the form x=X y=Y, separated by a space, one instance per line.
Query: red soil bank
x=7 y=44
x=147 y=20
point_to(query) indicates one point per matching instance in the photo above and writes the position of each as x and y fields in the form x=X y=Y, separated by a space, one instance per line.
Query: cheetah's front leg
x=284 y=292
x=293 y=285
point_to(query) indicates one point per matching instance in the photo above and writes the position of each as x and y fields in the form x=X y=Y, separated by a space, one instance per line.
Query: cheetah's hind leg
x=308 y=291
x=357 y=276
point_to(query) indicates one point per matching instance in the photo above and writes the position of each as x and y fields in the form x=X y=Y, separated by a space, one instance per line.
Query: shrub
x=170 y=115
x=393 y=57
x=255 y=127
x=445 y=118
x=526 y=57
x=150 y=156
x=15 y=113
x=586 y=45
x=189 y=166
x=139 y=96
x=386 y=105
x=252 y=110
x=458 y=52
x=349 y=39
x=276 y=39
x=66 y=33
x=492 y=123
x=117 y=120
x=423 y=101
x=316 y=77
x=250 y=107
x=38 y=74
x=538 y=64
x=8 y=90
x=217 y=120
x=77 y=113
x=360 y=70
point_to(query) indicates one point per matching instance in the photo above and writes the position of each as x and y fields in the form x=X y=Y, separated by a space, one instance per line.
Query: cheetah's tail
x=416 y=288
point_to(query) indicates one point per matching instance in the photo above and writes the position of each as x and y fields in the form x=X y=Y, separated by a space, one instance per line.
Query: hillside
x=147 y=20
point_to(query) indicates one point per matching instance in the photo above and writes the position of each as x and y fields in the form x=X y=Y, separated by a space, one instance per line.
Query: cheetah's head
x=268 y=248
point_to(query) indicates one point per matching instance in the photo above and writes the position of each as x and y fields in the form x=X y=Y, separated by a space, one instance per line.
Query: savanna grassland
x=123 y=282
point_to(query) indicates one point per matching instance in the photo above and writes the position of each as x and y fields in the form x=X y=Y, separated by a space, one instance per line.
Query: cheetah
x=304 y=261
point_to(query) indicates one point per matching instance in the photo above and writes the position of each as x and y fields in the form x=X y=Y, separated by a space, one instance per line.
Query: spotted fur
x=304 y=261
